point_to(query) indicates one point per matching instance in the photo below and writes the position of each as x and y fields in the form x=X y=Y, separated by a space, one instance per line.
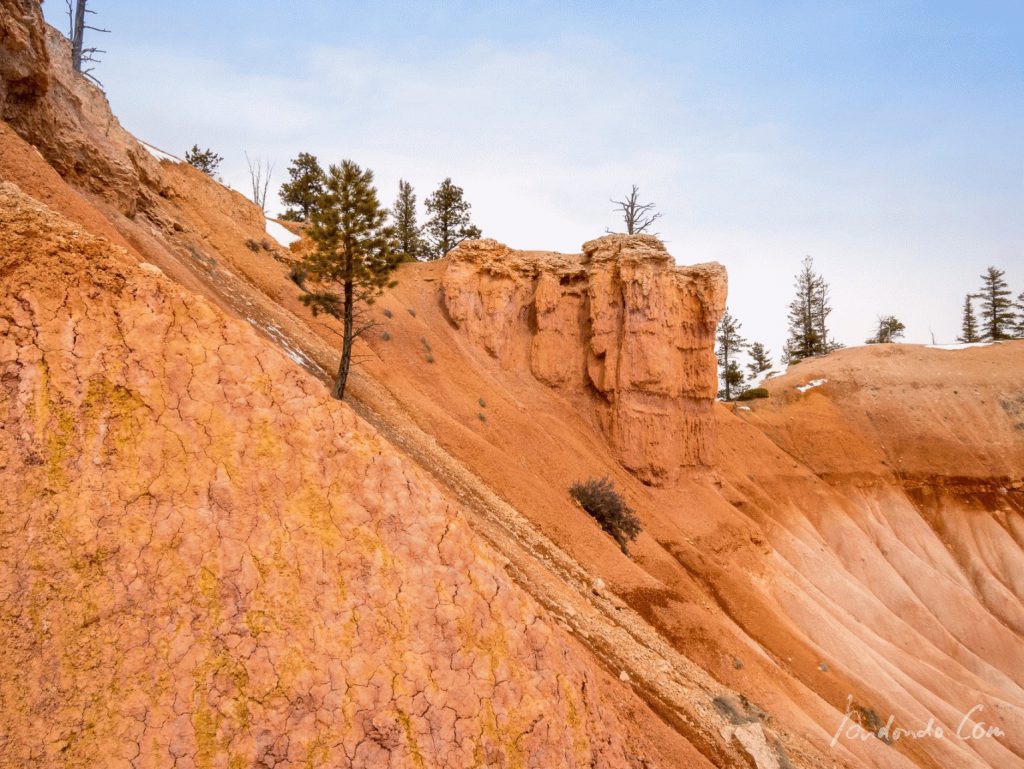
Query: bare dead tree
x=259 y=176
x=637 y=216
x=80 y=55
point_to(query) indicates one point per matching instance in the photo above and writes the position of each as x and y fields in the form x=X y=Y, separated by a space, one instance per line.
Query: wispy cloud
x=755 y=156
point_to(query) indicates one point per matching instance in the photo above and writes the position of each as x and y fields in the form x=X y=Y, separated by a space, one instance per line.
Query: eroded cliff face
x=65 y=116
x=208 y=562
x=24 y=62
x=619 y=327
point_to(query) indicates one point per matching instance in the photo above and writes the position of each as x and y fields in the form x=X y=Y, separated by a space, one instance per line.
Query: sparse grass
x=606 y=506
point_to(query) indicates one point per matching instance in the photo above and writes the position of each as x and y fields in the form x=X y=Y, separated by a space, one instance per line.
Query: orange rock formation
x=208 y=562
x=620 y=327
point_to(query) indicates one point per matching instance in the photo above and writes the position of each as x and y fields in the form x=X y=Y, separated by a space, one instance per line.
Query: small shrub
x=426 y=344
x=483 y=403
x=252 y=245
x=386 y=336
x=206 y=160
x=267 y=245
x=412 y=311
x=752 y=393
x=482 y=417
x=387 y=313
x=430 y=358
x=606 y=506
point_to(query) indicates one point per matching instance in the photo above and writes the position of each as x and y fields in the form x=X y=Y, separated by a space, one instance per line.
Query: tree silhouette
x=637 y=216
x=80 y=55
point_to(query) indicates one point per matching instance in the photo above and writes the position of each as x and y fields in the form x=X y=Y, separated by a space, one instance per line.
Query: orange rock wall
x=620 y=328
x=208 y=562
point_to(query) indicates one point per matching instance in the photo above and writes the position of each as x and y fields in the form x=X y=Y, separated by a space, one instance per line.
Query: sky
x=884 y=139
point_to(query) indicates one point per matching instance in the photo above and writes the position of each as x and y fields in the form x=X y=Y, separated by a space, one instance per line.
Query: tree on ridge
x=408 y=234
x=637 y=216
x=730 y=345
x=449 y=223
x=969 y=322
x=354 y=258
x=808 y=316
x=305 y=188
x=889 y=329
x=997 y=312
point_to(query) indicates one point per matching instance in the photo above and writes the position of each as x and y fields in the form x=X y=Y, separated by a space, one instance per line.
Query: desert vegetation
x=606 y=506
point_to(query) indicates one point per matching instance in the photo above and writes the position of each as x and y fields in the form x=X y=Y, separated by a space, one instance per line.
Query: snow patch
x=280 y=233
x=960 y=346
x=160 y=154
x=743 y=408
x=813 y=383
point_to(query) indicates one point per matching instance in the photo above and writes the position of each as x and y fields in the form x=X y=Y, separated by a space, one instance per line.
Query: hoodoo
x=619 y=328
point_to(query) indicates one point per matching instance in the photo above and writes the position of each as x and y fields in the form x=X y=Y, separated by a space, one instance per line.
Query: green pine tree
x=730 y=345
x=408 y=234
x=997 y=314
x=760 y=360
x=206 y=160
x=890 y=328
x=353 y=260
x=1020 y=315
x=449 y=222
x=304 y=189
x=969 y=322
x=808 y=316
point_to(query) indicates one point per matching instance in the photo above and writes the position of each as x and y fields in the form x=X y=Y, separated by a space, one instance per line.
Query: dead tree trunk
x=259 y=177
x=76 y=34
x=637 y=216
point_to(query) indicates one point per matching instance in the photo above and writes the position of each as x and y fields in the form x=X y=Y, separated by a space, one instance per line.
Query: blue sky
x=886 y=139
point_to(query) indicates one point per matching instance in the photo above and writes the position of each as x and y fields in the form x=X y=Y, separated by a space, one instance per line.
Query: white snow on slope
x=159 y=154
x=280 y=233
x=809 y=385
x=961 y=346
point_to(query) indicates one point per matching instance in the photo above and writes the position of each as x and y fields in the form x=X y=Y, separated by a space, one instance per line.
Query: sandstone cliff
x=210 y=563
x=620 y=328
x=65 y=116
x=221 y=564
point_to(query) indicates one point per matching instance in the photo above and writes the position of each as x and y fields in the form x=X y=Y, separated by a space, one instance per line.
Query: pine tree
x=206 y=160
x=408 y=235
x=304 y=189
x=449 y=222
x=969 y=322
x=808 y=316
x=353 y=255
x=760 y=360
x=1020 y=315
x=998 y=317
x=730 y=345
x=890 y=328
